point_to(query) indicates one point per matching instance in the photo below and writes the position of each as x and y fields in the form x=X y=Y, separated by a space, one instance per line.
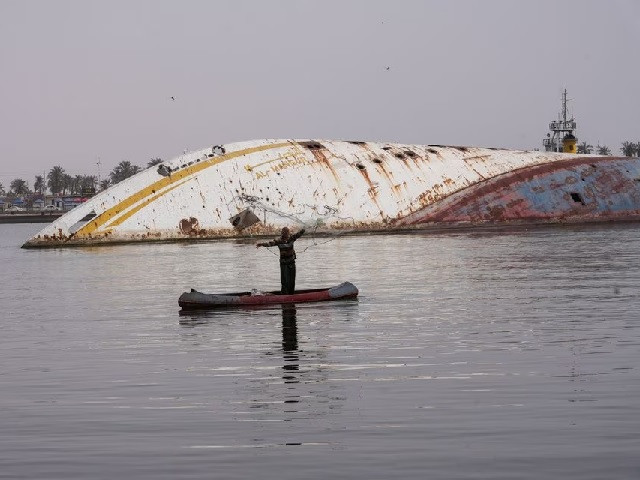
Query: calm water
x=511 y=355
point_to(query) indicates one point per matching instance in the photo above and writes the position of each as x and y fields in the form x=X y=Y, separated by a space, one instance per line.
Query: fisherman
x=287 y=258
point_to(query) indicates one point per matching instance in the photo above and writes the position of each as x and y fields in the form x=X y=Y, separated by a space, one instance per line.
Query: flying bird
x=173 y=98
x=387 y=68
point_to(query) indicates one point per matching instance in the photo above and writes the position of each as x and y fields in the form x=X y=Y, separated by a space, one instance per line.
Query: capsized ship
x=257 y=187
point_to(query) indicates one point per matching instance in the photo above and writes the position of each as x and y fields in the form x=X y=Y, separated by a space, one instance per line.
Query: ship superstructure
x=561 y=136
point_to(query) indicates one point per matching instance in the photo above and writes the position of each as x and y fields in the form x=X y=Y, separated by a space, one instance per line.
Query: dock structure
x=255 y=188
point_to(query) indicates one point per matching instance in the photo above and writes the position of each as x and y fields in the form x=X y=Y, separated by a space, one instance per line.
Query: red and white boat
x=195 y=300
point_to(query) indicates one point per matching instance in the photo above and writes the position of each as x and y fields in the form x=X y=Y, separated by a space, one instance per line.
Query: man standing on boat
x=287 y=258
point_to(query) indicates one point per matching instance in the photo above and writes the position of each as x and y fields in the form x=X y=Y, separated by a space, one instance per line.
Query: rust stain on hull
x=568 y=189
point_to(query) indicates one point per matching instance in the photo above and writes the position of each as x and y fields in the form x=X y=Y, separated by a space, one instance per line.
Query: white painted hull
x=323 y=185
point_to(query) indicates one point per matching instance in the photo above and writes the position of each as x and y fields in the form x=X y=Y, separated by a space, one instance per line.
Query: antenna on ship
x=561 y=137
x=98 y=163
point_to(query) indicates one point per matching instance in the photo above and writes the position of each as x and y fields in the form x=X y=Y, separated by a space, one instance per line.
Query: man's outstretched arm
x=297 y=235
x=271 y=243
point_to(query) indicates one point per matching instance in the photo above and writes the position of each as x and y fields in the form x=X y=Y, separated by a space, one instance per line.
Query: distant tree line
x=59 y=182
x=628 y=149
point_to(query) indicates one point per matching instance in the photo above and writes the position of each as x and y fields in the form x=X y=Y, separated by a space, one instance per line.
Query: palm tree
x=55 y=179
x=2 y=192
x=38 y=184
x=154 y=161
x=104 y=184
x=123 y=170
x=88 y=183
x=628 y=149
x=603 y=150
x=76 y=185
x=19 y=187
x=67 y=180
x=585 y=148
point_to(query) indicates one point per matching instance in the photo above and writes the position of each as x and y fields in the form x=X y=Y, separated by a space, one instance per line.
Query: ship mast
x=561 y=138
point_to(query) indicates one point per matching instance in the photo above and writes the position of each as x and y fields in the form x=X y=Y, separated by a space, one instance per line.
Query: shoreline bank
x=29 y=217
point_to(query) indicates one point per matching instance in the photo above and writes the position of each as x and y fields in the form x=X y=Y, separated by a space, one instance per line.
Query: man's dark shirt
x=287 y=253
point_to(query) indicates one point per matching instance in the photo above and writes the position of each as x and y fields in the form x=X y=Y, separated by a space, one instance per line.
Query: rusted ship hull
x=255 y=188
x=573 y=190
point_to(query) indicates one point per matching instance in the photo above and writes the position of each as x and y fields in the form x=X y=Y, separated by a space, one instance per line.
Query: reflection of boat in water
x=195 y=300
x=277 y=358
x=290 y=352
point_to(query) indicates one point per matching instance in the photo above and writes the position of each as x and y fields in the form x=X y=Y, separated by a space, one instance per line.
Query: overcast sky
x=83 y=80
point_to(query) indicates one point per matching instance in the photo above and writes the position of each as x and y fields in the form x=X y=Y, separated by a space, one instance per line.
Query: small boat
x=195 y=300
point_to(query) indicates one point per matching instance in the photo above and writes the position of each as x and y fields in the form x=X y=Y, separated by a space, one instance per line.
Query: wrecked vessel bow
x=256 y=188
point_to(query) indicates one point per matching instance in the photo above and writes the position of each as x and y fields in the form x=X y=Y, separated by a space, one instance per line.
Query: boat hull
x=255 y=188
x=195 y=300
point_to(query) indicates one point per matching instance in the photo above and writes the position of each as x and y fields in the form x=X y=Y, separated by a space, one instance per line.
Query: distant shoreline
x=29 y=217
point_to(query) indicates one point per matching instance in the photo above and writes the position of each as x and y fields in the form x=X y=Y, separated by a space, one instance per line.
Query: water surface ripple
x=504 y=355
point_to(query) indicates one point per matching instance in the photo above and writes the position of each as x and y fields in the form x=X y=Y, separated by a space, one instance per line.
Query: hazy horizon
x=84 y=81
